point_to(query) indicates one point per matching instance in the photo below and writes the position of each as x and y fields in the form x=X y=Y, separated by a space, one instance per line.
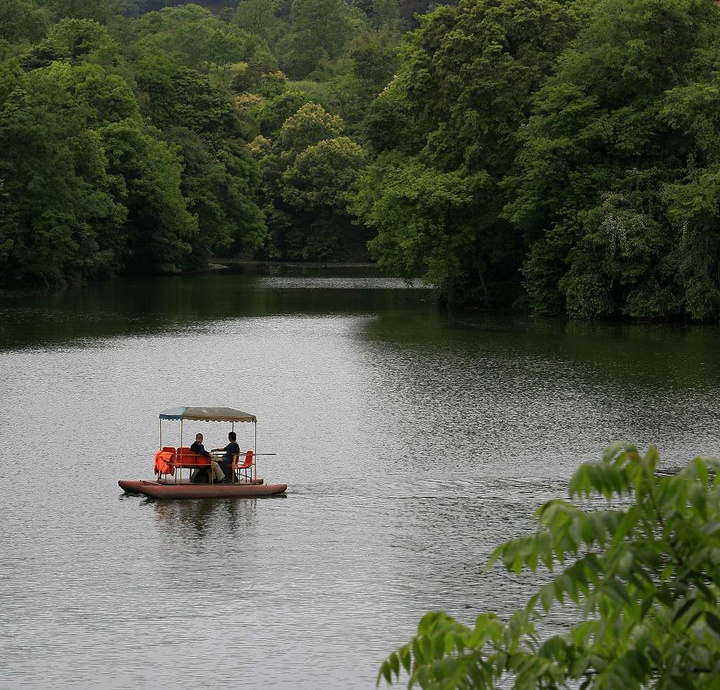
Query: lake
x=413 y=442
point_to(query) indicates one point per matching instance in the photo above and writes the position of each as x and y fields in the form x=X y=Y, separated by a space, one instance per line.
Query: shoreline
x=222 y=262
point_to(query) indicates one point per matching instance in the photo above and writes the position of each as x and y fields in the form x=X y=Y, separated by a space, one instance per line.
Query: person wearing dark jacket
x=199 y=449
x=231 y=450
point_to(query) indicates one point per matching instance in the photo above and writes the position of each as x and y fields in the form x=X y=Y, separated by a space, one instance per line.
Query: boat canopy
x=208 y=414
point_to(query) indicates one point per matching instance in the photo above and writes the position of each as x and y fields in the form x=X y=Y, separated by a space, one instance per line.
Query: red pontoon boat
x=170 y=463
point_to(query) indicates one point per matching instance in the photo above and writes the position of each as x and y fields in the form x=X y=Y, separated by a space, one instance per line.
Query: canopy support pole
x=253 y=474
x=180 y=468
x=161 y=445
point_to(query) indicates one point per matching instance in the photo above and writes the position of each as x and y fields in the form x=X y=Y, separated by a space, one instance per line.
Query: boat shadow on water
x=203 y=517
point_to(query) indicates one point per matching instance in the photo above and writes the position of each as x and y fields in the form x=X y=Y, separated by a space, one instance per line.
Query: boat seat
x=244 y=465
x=187 y=458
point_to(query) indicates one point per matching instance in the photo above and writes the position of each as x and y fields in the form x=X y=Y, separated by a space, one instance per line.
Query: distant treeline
x=136 y=141
x=556 y=155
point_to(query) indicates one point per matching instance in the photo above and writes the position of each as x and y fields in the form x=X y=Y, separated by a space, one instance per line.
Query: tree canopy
x=141 y=137
x=614 y=188
x=584 y=135
x=557 y=156
x=446 y=131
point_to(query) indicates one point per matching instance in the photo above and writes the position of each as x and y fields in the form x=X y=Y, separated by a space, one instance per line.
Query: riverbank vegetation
x=643 y=575
x=552 y=155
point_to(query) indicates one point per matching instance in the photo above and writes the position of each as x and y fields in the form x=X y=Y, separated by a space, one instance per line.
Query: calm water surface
x=412 y=444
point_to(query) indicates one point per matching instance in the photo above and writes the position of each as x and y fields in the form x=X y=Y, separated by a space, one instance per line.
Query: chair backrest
x=187 y=458
x=246 y=463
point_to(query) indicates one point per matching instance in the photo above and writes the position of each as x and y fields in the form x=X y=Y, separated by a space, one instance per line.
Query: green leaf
x=686 y=606
x=611 y=452
x=394 y=662
x=385 y=673
x=713 y=621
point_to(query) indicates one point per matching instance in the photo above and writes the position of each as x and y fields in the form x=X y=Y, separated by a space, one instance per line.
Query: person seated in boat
x=231 y=450
x=199 y=449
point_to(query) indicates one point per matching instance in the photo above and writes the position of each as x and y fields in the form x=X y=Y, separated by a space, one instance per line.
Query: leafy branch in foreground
x=643 y=575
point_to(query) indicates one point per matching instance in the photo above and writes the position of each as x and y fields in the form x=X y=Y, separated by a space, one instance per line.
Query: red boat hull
x=158 y=490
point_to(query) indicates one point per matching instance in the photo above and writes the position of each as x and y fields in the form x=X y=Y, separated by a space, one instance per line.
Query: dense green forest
x=560 y=156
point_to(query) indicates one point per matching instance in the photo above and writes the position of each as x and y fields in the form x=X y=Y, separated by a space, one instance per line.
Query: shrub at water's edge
x=644 y=577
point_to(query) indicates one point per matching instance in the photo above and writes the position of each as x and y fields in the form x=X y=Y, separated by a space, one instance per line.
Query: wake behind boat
x=240 y=479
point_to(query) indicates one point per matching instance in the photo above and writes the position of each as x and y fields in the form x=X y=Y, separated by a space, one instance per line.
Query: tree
x=308 y=173
x=622 y=132
x=219 y=179
x=375 y=58
x=323 y=174
x=220 y=183
x=261 y=77
x=275 y=112
x=256 y=17
x=146 y=175
x=385 y=14
x=318 y=186
x=319 y=29
x=177 y=96
x=22 y=20
x=644 y=575
x=308 y=126
x=190 y=35
x=430 y=215
x=74 y=40
x=98 y=10
x=453 y=111
x=97 y=181
x=60 y=220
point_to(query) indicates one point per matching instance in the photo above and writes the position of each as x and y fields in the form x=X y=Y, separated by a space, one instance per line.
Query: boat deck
x=171 y=489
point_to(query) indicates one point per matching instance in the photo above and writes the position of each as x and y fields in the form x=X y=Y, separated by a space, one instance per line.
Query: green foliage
x=322 y=174
x=257 y=17
x=97 y=10
x=385 y=125
x=643 y=574
x=593 y=126
x=616 y=194
x=308 y=126
x=561 y=153
x=146 y=174
x=176 y=96
x=115 y=155
x=319 y=29
x=22 y=20
x=453 y=111
x=145 y=165
x=220 y=185
x=273 y=114
x=384 y=13
x=189 y=34
x=260 y=76
x=374 y=57
x=309 y=172
x=57 y=210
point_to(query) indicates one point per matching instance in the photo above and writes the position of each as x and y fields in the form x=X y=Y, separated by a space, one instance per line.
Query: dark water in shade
x=412 y=444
